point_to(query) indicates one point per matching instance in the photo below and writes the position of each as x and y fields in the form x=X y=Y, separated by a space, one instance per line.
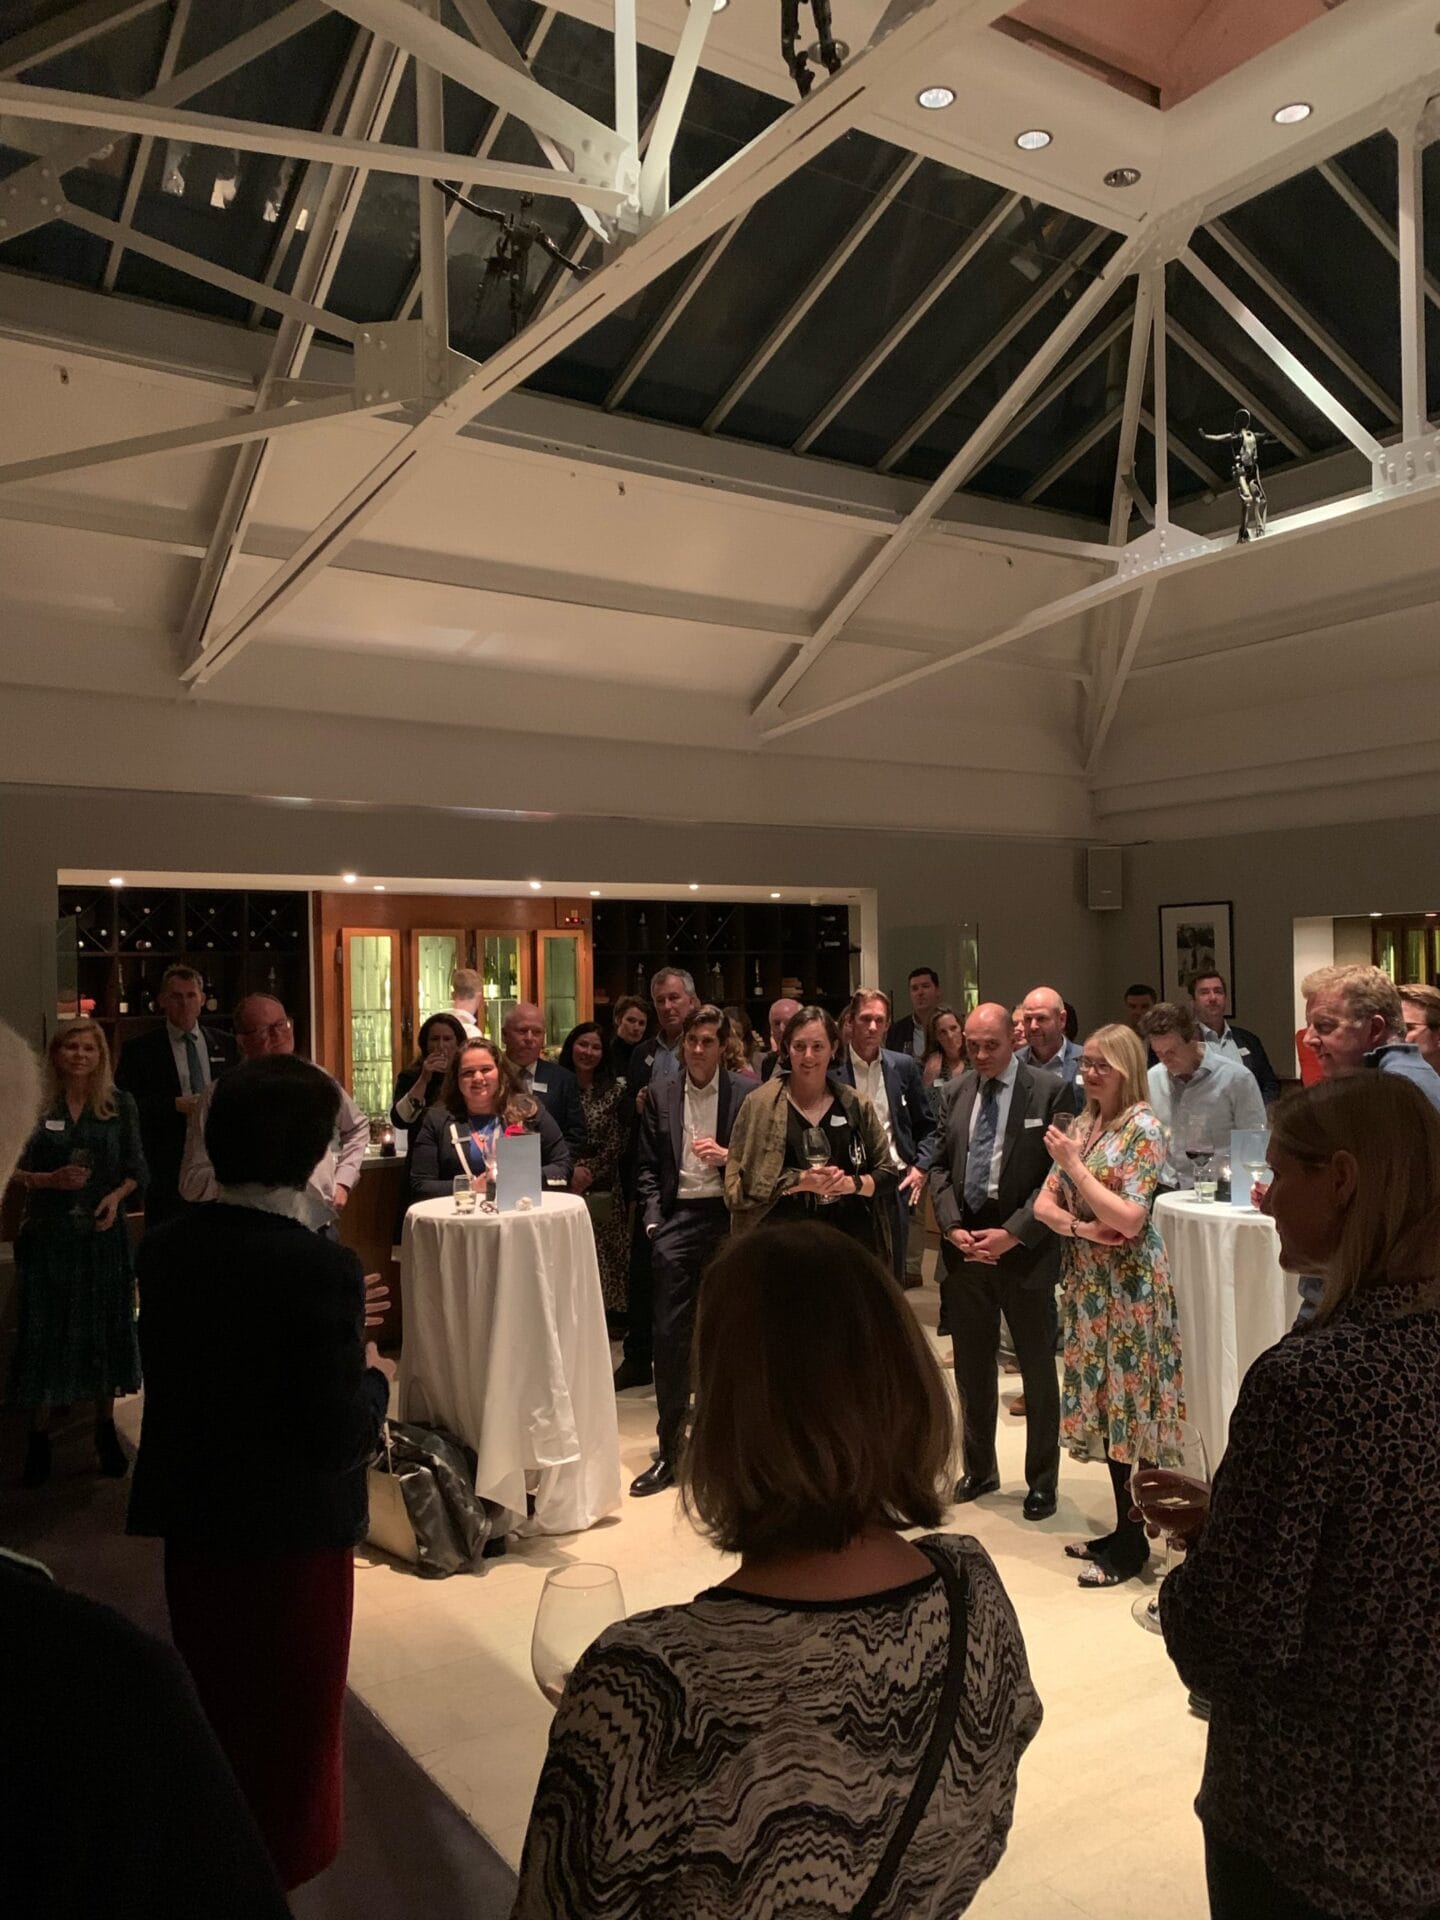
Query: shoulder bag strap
x=941 y=1734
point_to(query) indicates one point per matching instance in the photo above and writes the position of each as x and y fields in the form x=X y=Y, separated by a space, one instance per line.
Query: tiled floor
x=1104 y=1826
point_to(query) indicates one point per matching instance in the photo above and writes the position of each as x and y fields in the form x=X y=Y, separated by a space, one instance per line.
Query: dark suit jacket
x=1254 y=1056
x=1024 y=1166
x=558 y=1091
x=901 y=1035
x=434 y=1164
x=147 y=1070
x=662 y=1128
x=253 y=1445
x=911 y=1121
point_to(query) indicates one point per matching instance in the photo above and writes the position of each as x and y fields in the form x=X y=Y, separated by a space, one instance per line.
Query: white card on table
x=517 y=1170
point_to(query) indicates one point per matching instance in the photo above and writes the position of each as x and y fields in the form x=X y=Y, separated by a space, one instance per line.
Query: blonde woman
x=1122 y=1344
x=1305 y=1608
x=77 y=1283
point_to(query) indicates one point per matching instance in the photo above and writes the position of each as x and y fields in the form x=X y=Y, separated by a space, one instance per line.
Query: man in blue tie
x=996 y=1256
x=167 y=1070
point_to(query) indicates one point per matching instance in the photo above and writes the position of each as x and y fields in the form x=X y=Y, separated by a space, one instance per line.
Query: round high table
x=1233 y=1300
x=506 y=1346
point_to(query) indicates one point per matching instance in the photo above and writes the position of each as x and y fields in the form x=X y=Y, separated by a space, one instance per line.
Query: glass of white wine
x=577 y=1603
x=816 y=1148
x=1179 y=1447
x=463 y=1188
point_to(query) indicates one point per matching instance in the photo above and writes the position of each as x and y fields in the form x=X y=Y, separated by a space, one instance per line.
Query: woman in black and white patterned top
x=752 y=1753
x=1307 y=1609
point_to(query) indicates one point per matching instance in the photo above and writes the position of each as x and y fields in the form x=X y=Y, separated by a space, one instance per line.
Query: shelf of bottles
x=498 y=956
x=1408 y=948
x=740 y=954
x=372 y=1025
x=113 y=945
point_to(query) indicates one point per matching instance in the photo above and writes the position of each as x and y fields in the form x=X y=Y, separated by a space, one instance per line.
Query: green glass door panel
x=372 y=1046
x=562 y=986
x=437 y=955
x=501 y=978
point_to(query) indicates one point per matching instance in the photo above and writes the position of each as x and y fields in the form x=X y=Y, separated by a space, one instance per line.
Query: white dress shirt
x=338 y=1166
x=1004 y=1088
x=473 y=1028
x=182 y=1058
x=702 y=1116
x=870 y=1081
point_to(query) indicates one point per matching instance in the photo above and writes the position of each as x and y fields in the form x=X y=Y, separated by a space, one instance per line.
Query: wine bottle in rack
x=755 y=987
x=717 y=983
x=272 y=984
x=122 y=997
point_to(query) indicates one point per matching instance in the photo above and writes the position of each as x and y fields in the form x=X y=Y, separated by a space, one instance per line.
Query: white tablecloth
x=1233 y=1298
x=505 y=1344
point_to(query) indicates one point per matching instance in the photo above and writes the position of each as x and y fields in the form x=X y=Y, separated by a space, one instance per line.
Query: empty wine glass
x=816 y=1149
x=1179 y=1447
x=576 y=1604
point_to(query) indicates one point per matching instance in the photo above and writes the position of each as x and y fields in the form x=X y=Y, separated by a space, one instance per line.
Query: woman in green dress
x=77 y=1283
x=1122 y=1388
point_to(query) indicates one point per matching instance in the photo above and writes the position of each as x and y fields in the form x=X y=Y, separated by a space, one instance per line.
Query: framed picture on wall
x=1195 y=939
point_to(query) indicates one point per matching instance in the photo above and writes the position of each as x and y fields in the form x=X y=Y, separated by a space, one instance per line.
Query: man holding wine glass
x=1201 y=1095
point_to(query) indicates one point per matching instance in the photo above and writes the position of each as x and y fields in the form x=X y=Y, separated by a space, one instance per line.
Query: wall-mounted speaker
x=1102 y=879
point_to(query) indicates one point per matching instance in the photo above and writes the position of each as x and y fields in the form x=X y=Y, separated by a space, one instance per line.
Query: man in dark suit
x=984 y=1179
x=1210 y=993
x=167 y=1071
x=684 y=1137
x=894 y=1086
x=907 y=1035
x=554 y=1086
x=782 y=1012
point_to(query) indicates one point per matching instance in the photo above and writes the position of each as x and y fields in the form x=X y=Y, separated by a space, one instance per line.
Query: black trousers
x=899 y=1223
x=639 y=1298
x=974 y=1299
x=679 y=1254
x=1242 y=1887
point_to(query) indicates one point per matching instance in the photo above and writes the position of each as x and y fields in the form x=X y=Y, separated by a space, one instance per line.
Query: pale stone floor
x=1104 y=1824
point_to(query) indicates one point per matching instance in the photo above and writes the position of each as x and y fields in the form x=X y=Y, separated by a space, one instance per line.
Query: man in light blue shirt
x=1199 y=1093
x=1043 y=1013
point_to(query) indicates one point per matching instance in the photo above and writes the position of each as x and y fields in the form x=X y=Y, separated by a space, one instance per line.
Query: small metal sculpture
x=509 y=264
x=830 y=52
x=1245 y=444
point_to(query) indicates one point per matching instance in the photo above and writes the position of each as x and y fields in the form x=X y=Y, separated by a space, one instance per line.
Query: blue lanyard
x=487 y=1137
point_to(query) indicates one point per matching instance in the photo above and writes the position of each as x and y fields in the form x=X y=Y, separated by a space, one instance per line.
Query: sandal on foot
x=1098 y=1574
x=1088 y=1549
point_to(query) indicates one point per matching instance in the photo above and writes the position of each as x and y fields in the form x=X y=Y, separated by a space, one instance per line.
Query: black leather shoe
x=969 y=1488
x=630 y=1374
x=654 y=1479
x=1039 y=1506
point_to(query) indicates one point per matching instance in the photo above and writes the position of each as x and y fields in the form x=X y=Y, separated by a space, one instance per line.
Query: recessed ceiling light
x=594 y=893
x=1033 y=139
x=933 y=98
x=1375 y=916
x=535 y=886
x=379 y=886
x=116 y=881
x=1292 y=115
x=1123 y=177
x=694 y=886
x=349 y=878
x=774 y=896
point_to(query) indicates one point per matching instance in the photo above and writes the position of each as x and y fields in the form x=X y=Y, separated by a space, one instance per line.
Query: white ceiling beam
x=191 y=263
x=233 y=432
x=1139 y=616
x=434 y=234
x=1305 y=322
x=831 y=109
x=60 y=106
x=1076 y=451
x=489 y=73
x=1414 y=397
x=701 y=269
x=1160 y=395
x=371 y=95
x=674 y=95
x=555 y=283
x=484 y=146
x=65 y=31
x=1132 y=406
x=971 y=371
x=913 y=314
x=805 y=300
x=145 y=146
x=627 y=73
x=959 y=469
x=1230 y=383
x=1275 y=349
x=1370 y=217
x=1201 y=469
x=1063 y=380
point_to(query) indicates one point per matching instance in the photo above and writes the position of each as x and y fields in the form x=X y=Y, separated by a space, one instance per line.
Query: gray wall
x=1024 y=895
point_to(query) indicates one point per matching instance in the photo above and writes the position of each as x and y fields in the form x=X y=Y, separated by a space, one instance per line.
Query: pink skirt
x=267 y=1641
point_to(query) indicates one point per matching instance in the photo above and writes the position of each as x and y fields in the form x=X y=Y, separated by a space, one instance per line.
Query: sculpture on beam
x=1245 y=443
x=509 y=264
x=830 y=52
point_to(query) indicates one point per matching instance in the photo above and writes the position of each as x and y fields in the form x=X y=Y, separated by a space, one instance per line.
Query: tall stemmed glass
x=577 y=1603
x=816 y=1148
x=1179 y=1447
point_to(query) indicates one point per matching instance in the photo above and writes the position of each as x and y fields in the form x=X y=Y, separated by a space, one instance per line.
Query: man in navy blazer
x=997 y=1256
x=894 y=1085
x=167 y=1070
x=680 y=1186
x=554 y=1086
x=1042 y=1013
x=907 y=1034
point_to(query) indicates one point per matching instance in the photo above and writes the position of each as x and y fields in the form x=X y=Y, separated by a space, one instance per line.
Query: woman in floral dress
x=1122 y=1387
x=607 y=1104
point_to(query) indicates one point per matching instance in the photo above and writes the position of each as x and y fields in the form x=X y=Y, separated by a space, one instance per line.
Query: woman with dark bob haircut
x=843 y=1714
x=253 y=1451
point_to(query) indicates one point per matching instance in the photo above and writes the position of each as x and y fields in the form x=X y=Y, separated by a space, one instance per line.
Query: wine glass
x=576 y=1603
x=1179 y=1446
x=82 y=1212
x=463 y=1189
x=816 y=1150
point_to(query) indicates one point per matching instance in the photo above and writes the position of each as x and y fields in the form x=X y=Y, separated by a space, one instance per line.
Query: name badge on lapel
x=1034 y=1123
x=1244 y=1053
x=838 y=1120
x=539 y=1086
x=54 y=1126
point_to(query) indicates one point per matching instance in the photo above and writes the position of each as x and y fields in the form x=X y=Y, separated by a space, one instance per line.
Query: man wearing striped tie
x=167 y=1070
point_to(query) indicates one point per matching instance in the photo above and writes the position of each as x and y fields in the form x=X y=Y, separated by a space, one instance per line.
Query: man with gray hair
x=782 y=1012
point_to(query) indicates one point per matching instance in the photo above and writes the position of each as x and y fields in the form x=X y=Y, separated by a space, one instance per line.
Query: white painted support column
x=1159 y=387
x=434 y=268
x=1414 y=401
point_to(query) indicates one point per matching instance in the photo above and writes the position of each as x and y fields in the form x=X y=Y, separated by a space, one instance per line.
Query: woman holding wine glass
x=481 y=1098
x=417 y=1088
x=807 y=1143
x=1305 y=1608
x=944 y=1055
x=608 y=1107
x=1122 y=1345
x=77 y=1281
